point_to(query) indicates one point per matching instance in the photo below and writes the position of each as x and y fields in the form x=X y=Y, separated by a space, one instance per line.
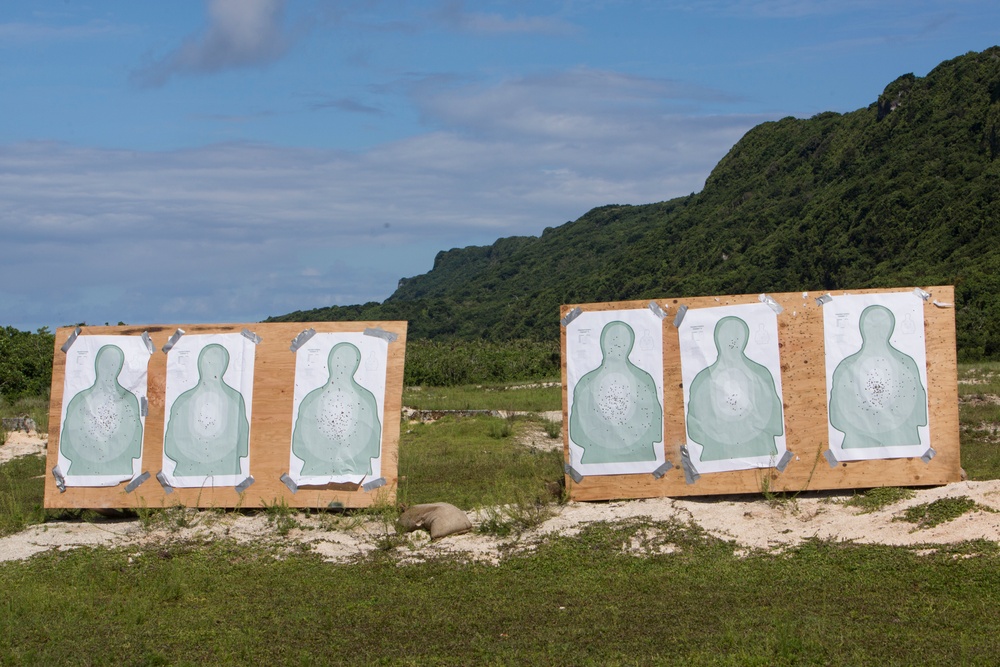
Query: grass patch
x=525 y=397
x=928 y=515
x=459 y=460
x=873 y=500
x=21 y=493
x=581 y=600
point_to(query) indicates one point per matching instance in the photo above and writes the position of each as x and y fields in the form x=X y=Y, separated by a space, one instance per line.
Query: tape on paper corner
x=657 y=310
x=570 y=316
x=823 y=300
x=771 y=303
x=681 y=312
x=60 y=479
x=148 y=342
x=573 y=473
x=921 y=293
x=928 y=455
x=172 y=341
x=374 y=484
x=137 y=482
x=72 y=339
x=162 y=479
x=830 y=458
x=786 y=458
x=245 y=484
x=302 y=339
x=289 y=482
x=663 y=470
x=379 y=332
x=691 y=475
x=251 y=336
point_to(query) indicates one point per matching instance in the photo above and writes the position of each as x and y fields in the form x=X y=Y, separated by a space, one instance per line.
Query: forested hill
x=904 y=192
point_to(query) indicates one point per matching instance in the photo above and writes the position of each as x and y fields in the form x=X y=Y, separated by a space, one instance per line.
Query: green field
x=582 y=599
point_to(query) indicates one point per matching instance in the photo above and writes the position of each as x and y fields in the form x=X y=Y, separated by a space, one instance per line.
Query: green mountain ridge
x=901 y=193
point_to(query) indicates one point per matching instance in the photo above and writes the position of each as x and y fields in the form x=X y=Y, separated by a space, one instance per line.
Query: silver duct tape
x=942 y=304
x=162 y=479
x=774 y=305
x=172 y=340
x=922 y=294
x=576 y=476
x=289 y=482
x=374 y=484
x=786 y=458
x=387 y=336
x=60 y=479
x=690 y=474
x=301 y=340
x=245 y=484
x=659 y=312
x=335 y=505
x=144 y=406
x=570 y=316
x=149 y=342
x=72 y=339
x=822 y=300
x=251 y=336
x=830 y=458
x=662 y=470
x=137 y=482
x=928 y=455
x=681 y=312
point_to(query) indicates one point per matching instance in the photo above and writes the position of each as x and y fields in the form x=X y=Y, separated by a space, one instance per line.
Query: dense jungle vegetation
x=904 y=192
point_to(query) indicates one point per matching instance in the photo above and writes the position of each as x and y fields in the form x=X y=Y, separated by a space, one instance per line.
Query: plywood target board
x=225 y=415
x=765 y=392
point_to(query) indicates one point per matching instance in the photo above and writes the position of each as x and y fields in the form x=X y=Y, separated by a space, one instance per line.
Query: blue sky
x=227 y=160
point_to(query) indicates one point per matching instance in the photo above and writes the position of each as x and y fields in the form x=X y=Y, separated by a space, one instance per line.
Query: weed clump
x=873 y=500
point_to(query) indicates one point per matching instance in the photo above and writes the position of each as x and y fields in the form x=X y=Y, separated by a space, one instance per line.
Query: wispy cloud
x=240 y=33
x=19 y=33
x=455 y=15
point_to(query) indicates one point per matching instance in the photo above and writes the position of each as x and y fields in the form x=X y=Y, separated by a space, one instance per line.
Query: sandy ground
x=749 y=522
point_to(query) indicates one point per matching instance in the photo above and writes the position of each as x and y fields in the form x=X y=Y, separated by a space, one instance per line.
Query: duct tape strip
x=775 y=306
x=922 y=294
x=928 y=455
x=137 y=482
x=374 y=484
x=690 y=474
x=172 y=341
x=60 y=479
x=786 y=458
x=162 y=479
x=681 y=312
x=335 y=505
x=942 y=304
x=72 y=339
x=245 y=484
x=301 y=340
x=830 y=458
x=149 y=342
x=570 y=316
x=662 y=470
x=659 y=312
x=289 y=482
x=251 y=336
x=144 y=407
x=577 y=477
x=387 y=336
x=823 y=300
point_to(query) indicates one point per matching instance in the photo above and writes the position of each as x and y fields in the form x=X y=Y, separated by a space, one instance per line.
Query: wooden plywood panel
x=270 y=428
x=803 y=375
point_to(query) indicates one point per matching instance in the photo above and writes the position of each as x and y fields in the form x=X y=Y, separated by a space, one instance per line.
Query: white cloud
x=237 y=232
x=240 y=33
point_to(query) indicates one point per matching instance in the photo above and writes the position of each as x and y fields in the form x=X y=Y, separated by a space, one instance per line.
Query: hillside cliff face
x=904 y=192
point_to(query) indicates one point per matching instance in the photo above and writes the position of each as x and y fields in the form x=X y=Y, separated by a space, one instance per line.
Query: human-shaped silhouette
x=616 y=415
x=102 y=434
x=877 y=398
x=208 y=432
x=733 y=408
x=337 y=430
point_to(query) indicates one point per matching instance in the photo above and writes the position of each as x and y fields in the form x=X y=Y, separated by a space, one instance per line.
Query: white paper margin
x=583 y=354
x=697 y=348
x=182 y=374
x=81 y=375
x=842 y=338
x=312 y=372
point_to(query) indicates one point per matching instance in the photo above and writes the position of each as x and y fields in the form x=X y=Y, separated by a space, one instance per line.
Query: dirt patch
x=20 y=443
